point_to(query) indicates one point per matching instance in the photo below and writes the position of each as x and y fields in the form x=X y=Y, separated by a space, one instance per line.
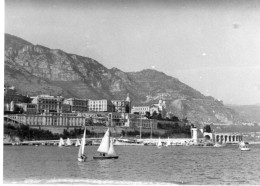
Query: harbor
x=146 y=165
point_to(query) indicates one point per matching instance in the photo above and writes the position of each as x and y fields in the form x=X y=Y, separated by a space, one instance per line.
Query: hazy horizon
x=208 y=45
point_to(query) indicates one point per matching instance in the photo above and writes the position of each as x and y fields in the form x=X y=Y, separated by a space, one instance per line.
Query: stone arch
x=229 y=138
x=217 y=138
x=226 y=137
x=233 y=138
x=237 y=138
x=207 y=137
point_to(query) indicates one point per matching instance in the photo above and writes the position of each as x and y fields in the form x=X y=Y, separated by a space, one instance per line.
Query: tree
x=159 y=116
x=185 y=120
x=207 y=128
x=175 y=118
x=147 y=114
x=154 y=116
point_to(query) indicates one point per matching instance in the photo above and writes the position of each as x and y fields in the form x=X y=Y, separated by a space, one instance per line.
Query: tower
x=128 y=104
x=127 y=98
x=194 y=134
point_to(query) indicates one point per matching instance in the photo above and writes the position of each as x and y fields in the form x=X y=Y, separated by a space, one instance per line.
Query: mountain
x=36 y=69
x=250 y=113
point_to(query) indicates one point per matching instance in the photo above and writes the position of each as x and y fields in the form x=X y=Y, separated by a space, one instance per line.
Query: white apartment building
x=103 y=105
x=140 y=109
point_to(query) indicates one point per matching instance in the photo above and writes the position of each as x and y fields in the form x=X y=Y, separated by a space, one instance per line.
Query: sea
x=137 y=165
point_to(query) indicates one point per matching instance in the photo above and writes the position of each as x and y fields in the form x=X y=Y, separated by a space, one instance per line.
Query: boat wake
x=87 y=181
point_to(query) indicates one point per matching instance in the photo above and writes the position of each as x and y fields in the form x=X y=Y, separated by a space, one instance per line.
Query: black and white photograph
x=131 y=92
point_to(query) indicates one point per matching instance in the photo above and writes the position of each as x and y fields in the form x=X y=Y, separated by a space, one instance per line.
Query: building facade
x=28 y=108
x=103 y=105
x=122 y=106
x=140 y=109
x=50 y=119
x=157 y=108
x=11 y=95
x=77 y=105
x=46 y=103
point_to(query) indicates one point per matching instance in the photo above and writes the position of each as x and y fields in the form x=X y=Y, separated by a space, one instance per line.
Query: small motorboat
x=244 y=146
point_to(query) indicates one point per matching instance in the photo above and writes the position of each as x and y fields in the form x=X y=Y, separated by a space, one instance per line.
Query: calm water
x=136 y=165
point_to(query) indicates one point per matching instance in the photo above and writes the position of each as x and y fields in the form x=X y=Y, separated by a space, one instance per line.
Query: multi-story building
x=77 y=105
x=103 y=105
x=50 y=119
x=122 y=106
x=28 y=108
x=158 y=108
x=95 y=118
x=46 y=103
x=10 y=94
x=144 y=123
x=140 y=109
x=65 y=108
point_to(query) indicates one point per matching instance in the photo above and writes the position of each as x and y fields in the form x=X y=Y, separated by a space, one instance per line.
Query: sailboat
x=68 y=142
x=159 y=144
x=168 y=142
x=61 y=143
x=77 y=143
x=106 y=148
x=81 y=156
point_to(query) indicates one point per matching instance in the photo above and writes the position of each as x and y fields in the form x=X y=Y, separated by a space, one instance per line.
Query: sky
x=212 y=46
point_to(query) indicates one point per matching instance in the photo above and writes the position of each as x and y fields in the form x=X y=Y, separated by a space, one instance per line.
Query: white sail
x=77 y=143
x=168 y=142
x=83 y=141
x=61 y=142
x=80 y=152
x=105 y=143
x=82 y=146
x=68 y=142
x=159 y=144
x=111 y=151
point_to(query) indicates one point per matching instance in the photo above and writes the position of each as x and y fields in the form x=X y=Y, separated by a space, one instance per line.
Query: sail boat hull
x=82 y=159
x=104 y=157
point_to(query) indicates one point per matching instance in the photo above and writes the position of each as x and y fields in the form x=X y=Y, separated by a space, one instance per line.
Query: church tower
x=128 y=104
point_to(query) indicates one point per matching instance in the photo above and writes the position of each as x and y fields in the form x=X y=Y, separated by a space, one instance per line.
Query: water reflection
x=91 y=168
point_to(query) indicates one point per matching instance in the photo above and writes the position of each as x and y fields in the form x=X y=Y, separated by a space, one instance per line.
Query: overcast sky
x=212 y=46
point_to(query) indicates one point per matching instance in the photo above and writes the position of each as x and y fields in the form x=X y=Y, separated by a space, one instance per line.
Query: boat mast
x=141 y=129
x=151 y=125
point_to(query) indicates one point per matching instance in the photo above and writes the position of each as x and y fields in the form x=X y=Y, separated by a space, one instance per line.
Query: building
x=157 y=108
x=144 y=123
x=50 y=119
x=103 y=105
x=11 y=95
x=118 y=119
x=77 y=105
x=122 y=106
x=95 y=118
x=66 y=108
x=140 y=109
x=28 y=108
x=46 y=103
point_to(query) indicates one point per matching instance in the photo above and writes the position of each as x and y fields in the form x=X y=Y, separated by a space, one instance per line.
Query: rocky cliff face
x=36 y=69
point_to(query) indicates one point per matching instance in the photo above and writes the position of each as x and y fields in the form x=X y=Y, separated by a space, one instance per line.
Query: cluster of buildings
x=46 y=110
